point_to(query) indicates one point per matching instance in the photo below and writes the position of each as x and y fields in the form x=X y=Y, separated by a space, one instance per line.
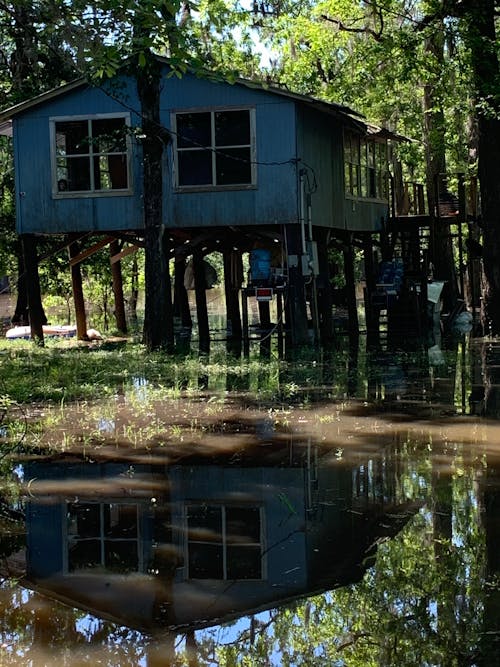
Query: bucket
x=260 y=265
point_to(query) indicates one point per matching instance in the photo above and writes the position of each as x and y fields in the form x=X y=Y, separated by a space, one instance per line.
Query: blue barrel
x=260 y=265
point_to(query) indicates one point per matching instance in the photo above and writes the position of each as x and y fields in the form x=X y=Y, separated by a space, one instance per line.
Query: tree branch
x=377 y=35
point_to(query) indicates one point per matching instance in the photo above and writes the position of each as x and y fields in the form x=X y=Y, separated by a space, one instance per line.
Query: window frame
x=224 y=539
x=214 y=187
x=92 y=193
x=372 y=176
x=102 y=504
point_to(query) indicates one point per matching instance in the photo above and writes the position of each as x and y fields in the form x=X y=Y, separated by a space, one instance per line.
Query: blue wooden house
x=246 y=166
x=191 y=544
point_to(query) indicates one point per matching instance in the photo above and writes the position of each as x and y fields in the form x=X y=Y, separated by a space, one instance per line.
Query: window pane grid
x=91 y=543
x=365 y=167
x=91 y=155
x=234 y=555
x=221 y=160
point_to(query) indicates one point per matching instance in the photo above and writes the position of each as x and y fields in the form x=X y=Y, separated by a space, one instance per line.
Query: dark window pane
x=205 y=523
x=84 y=519
x=194 y=129
x=110 y=172
x=84 y=554
x=205 y=561
x=109 y=135
x=195 y=168
x=233 y=166
x=72 y=137
x=232 y=128
x=244 y=563
x=120 y=520
x=78 y=173
x=243 y=524
x=121 y=556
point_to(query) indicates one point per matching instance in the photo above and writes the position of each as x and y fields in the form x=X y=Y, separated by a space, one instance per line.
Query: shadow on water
x=340 y=508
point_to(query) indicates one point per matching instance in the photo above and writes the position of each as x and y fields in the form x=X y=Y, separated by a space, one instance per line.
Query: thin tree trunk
x=434 y=141
x=116 y=272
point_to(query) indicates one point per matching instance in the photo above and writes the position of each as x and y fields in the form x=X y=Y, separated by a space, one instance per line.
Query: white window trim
x=85 y=194
x=213 y=187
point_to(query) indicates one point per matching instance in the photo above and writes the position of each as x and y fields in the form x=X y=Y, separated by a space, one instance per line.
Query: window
x=103 y=535
x=352 y=164
x=214 y=149
x=90 y=155
x=224 y=542
x=365 y=167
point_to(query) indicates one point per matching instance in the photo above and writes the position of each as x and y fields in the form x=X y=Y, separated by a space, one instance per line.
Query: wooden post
x=116 y=273
x=76 y=284
x=370 y=279
x=350 y=285
x=296 y=303
x=35 y=309
x=325 y=304
x=181 y=300
x=201 y=300
x=233 y=277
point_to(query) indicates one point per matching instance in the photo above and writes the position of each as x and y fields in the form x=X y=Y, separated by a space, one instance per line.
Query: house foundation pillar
x=296 y=302
x=201 y=300
x=34 y=298
x=77 y=287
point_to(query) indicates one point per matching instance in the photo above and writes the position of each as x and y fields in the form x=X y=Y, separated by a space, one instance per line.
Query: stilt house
x=246 y=167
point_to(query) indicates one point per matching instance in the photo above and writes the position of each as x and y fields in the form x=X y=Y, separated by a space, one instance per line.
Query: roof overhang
x=7 y=115
x=6 y=128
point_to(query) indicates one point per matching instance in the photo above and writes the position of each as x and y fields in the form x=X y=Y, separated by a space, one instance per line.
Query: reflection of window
x=103 y=535
x=224 y=542
x=214 y=148
x=365 y=167
x=90 y=155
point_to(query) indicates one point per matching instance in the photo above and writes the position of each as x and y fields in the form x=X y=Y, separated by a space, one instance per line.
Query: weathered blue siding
x=290 y=136
x=320 y=146
x=37 y=210
x=274 y=200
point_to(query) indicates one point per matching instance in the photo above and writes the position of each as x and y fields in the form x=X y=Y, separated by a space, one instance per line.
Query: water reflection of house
x=196 y=544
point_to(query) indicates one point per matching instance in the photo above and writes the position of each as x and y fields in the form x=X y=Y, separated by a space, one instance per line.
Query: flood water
x=342 y=509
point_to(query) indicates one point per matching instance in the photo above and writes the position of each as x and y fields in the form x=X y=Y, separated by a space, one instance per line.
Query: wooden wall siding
x=320 y=146
x=365 y=215
x=37 y=211
x=274 y=200
x=285 y=130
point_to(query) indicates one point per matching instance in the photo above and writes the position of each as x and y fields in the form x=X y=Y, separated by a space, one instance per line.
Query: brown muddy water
x=340 y=510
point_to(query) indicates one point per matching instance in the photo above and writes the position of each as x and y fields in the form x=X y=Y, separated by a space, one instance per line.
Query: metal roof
x=350 y=116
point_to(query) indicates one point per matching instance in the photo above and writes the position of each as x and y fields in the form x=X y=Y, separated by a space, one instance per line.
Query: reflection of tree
x=418 y=605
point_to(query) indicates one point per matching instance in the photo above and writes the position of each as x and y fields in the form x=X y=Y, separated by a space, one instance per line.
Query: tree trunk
x=434 y=141
x=158 y=330
x=481 y=36
x=116 y=272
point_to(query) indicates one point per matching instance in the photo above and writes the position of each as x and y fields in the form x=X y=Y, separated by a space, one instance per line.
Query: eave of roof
x=353 y=117
x=8 y=114
x=6 y=128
